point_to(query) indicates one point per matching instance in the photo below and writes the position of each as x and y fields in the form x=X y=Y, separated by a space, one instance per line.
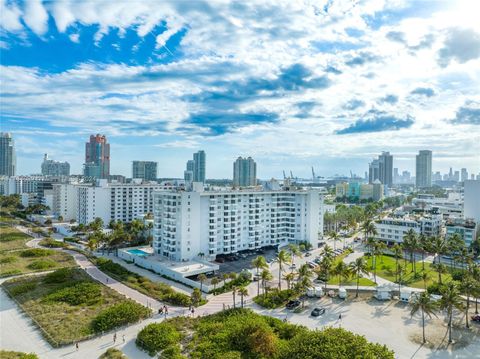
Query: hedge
x=157 y=336
x=120 y=314
x=87 y=293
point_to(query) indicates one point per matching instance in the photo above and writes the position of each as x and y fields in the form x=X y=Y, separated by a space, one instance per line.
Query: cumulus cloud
x=390 y=99
x=36 y=16
x=423 y=91
x=469 y=113
x=461 y=45
x=377 y=123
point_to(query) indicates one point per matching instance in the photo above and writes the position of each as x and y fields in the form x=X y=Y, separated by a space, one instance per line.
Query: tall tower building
x=423 y=166
x=8 y=159
x=373 y=171
x=54 y=168
x=244 y=172
x=97 y=157
x=464 y=174
x=385 y=161
x=146 y=170
x=199 y=166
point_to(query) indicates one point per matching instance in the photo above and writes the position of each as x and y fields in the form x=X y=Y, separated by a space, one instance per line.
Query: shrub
x=41 y=264
x=22 y=288
x=458 y=275
x=176 y=298
x=51 y=243
x=120 y=314
x=434 y=288
x=9 y=259
x=11 y=272
x=36 y=252
x=113 y=354
x=275 y=298
x=59 y=276
x=4 y=354
x=173 y=352
x=157 y=336
x=80 y=293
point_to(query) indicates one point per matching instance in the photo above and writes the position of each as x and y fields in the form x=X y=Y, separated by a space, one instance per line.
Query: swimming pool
x=138 y=252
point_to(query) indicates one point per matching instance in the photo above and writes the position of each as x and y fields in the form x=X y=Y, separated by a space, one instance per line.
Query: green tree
x=282 y=258
x=438 y=246
x=265 y=276
x=397 y=252
x=334 y=236
x=423 y=302
x=215 y=281
x=342 y=271
x=468 y=287
x=358 y=268
x=451 y=299
x=202 y=278
x=259 y=263
x=242 y=292
x=196 y=296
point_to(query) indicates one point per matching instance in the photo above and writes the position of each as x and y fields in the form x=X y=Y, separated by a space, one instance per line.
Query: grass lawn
x=353 y=281
x=33 y=260
x=386 y=267
x=66 y=315
x=11 y=238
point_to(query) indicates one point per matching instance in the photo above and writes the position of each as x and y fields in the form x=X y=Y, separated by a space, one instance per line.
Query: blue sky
x=328 y=84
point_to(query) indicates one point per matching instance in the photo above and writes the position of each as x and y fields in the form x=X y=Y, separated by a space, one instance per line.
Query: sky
x=294 y=84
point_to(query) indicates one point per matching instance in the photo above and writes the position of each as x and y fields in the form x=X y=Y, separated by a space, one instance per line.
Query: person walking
x=340 y=316
x=76 y=346
x=123 y=337
x=114 y=338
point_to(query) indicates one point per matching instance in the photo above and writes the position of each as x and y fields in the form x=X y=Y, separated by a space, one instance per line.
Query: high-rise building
x=385 y=161
x=97 y=153
x=456 y=176
x=396 y=175
x=223 y=222
x=373 y=171
x=244 y=172
x=463 y=174
x=199 y=166
x=146 y=170
x=54 y=168
x=8 y=159
x=423 y=166
x=471 y=204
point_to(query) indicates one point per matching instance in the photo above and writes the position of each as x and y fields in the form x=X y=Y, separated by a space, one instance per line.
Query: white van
x=342 y=293
x=318 y=292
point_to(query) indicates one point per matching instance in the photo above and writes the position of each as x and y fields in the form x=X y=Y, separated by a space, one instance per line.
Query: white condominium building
x=221 y=222
x=117 y=201
x=393 y=230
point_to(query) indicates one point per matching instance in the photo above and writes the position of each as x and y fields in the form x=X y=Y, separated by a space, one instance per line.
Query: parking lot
x=244 y=263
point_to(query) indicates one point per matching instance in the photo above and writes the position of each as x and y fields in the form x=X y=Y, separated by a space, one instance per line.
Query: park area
x=11 y=238
x=69 y=306
x=385 y=268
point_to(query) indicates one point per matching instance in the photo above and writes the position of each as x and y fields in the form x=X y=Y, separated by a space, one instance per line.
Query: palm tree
x=438 y=246
x=324 y=268
x=425 y=278
x=258 y=263
x=304 y=272
x=202 y=278
x=368 y=227
x=397 y=251
x=450 y=299
x=342 y=270
x=409 y=240
x=282 y=258
x=399 y=270
x=243 y=292
x=468 y=287
x=265 y=276
x=215 y=281
x=381 y=247
x=234 y=291
x=376 y=251
x=289 y=277
x=370 y=243
x=440 y=268
x=225 y=276
x=335 y=237
x=358 y=267
x=422 y=246
x=327 y=251
x=424 y=303
x=294 y=251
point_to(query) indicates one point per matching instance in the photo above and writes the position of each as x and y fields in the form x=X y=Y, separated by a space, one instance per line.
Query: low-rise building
x=393 y=229
x=466 y=228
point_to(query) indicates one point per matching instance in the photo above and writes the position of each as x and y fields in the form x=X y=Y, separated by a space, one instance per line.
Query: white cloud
x=36 y=16
x=10 y=17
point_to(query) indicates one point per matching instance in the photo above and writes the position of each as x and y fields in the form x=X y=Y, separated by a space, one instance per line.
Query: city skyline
x=329 y=85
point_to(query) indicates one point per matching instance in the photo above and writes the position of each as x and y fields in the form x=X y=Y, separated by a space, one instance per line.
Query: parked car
x=293 y=266
x=292 y=304
x=317 y=312
x=476 y=318
x=308 y=254
x=220 y=260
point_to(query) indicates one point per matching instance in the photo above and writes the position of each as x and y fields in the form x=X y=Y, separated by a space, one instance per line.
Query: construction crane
x=313 y=174
x=284 y=177
x=291 y=174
